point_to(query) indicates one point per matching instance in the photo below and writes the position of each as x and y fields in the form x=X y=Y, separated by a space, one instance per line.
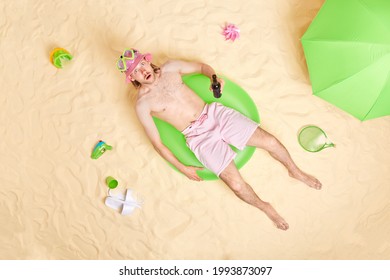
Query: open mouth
x=148 y=76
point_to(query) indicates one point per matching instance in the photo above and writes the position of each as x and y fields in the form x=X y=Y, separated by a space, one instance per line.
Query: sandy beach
x=52 y=193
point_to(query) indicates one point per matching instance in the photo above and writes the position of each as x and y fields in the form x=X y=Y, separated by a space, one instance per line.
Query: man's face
x=143 y=73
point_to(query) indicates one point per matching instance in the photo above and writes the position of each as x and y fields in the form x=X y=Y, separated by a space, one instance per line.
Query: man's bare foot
x=307 y=179
x=279 y=222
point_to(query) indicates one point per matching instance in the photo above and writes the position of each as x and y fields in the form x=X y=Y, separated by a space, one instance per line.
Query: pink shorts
x=210 y=135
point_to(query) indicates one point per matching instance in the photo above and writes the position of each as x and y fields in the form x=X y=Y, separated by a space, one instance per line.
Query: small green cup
x=111 y=182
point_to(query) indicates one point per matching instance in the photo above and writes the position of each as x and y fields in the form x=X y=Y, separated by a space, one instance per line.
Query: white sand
x=52 y=193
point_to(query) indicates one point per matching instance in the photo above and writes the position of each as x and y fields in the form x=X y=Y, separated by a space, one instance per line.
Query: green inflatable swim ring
x=234 y=97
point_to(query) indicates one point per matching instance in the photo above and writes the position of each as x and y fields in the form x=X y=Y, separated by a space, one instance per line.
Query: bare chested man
x=208 y=128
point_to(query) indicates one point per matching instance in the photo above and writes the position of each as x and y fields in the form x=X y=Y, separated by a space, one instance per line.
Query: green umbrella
x=347 y=50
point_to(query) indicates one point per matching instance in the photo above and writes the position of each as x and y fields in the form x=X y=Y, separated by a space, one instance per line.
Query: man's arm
x=151 y=130
x=187 y=67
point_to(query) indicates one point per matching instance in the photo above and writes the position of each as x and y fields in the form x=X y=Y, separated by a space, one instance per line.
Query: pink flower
x=231 y=32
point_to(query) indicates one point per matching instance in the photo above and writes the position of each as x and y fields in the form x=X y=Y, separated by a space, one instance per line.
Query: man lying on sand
x=208 y=128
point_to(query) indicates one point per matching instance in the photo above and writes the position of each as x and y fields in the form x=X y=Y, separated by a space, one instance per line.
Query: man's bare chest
x=167 y=90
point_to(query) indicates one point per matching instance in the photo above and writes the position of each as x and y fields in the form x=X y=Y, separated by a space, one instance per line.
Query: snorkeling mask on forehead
x=130 y=59
x=127 y=59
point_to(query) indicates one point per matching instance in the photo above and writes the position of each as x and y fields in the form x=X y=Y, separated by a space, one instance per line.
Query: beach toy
x=100 y=149
x=313 y=139
x=58 y=56
x=111 y=182
x=231 y=32
x=234 y=97
x=216 y=86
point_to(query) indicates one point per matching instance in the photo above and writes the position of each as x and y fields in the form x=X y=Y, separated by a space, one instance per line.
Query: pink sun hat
x=129 y=60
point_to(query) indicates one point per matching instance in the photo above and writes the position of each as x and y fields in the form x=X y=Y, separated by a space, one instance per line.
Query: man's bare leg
x=232 y=178
x=264 y=140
